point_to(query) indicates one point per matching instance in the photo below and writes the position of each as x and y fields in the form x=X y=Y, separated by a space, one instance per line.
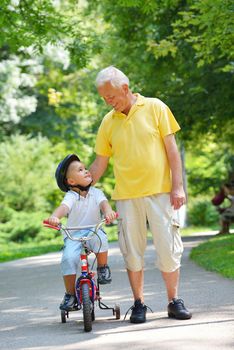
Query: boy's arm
x=59 y=213
x=107 y=211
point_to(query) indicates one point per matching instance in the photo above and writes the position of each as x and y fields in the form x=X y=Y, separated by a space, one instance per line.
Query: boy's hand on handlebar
x=53 y=220
x=111 y=216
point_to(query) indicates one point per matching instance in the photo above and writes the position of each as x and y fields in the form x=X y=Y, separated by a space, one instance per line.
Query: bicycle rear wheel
x=87 y=307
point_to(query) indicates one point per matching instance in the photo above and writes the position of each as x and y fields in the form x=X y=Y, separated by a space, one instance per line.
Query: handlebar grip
x=47 y=224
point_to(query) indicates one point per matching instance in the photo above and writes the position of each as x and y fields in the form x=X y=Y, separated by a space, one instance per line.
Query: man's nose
x=109 y=100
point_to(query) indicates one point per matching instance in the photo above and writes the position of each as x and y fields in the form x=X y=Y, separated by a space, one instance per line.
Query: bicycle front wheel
x=87 y=307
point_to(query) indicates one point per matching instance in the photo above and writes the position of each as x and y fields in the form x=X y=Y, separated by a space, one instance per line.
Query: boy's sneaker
x=138 y=312
x=176 y=309
x=69 y=302
x=104 y=274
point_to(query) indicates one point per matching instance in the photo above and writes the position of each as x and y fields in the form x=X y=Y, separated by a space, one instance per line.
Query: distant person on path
x=139 y=134
x=226 y=213
x=82 y=205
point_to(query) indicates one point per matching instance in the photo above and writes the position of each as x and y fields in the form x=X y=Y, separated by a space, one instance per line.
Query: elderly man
x=139 y=134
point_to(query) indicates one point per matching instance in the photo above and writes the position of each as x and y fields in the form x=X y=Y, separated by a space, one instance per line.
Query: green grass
x=14 y=251
x=216 y=255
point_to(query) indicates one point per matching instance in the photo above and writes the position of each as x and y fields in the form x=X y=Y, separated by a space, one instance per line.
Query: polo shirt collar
x=139 y=102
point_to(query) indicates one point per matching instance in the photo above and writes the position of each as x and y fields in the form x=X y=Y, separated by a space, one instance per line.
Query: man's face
x=115 y=97
x=78 y=174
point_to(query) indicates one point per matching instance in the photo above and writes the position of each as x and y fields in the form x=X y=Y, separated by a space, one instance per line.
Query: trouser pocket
x=177 y=245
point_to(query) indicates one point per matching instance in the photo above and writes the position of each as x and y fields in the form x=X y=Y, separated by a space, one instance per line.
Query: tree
x=35 y=23
x=17 y=79
x=163 y=47
x=26 y=173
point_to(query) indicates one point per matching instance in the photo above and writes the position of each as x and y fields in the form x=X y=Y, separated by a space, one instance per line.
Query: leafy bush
x=24 y=227
x=26 y=173
x=6 y=214
x=202 y=212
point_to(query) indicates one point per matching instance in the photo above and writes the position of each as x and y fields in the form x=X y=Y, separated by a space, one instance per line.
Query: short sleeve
x=100 y=197
x=167 y=122
x=103 y=146
x=69 y=200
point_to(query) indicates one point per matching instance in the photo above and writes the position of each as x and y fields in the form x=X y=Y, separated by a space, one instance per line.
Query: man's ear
x=125 y=88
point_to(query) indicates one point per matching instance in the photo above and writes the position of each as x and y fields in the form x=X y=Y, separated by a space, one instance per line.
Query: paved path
x=31 y=289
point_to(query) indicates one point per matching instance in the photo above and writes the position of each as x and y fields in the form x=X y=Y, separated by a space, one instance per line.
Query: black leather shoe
x=138 y=312
x=69 y=302
x=176 y=309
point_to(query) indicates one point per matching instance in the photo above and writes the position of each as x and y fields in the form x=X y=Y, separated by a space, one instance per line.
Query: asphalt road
x=31 y=290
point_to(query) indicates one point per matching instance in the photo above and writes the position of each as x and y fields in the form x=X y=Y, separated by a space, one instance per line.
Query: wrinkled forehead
x=106 y=90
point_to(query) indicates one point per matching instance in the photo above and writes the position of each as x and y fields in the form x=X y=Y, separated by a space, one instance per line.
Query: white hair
x=112 y=75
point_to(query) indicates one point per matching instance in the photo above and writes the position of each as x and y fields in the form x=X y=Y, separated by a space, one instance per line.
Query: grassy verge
x=216 y=255
x=14 y=251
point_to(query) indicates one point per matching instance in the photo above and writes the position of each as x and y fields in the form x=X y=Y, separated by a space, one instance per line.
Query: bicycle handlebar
x=66 y=230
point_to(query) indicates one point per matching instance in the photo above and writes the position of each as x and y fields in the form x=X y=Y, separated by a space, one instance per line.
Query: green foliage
x=22 y=230
x=162 y=59
x=25 y=227
x=35 y=23
x=26 y=173
x=6 y=214
x=201 y=212
x=216 y=255
x=208 y=166
x=208 y=27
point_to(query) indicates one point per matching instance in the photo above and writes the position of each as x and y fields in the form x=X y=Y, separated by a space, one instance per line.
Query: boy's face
x=77 y=174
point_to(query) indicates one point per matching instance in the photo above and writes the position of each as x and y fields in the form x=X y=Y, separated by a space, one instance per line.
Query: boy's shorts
x=162 y=219
x=72 y=250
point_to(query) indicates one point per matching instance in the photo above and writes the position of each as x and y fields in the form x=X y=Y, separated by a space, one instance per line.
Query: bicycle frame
x=86 y=275
x=85 y=283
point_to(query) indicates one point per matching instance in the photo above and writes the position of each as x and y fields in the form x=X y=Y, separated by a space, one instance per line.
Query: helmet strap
x=82 y=188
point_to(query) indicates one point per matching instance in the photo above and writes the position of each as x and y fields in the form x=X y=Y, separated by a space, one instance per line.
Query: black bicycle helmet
x=61 y=171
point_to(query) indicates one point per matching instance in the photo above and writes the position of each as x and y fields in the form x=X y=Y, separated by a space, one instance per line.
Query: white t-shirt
x=84 y=210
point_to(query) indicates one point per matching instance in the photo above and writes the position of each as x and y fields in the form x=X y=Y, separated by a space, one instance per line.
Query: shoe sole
x=108 y=282
x=74 y=308
x=179 y=318
x=133 y=321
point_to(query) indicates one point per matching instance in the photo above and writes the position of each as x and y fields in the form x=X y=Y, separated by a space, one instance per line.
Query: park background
x=50 y=52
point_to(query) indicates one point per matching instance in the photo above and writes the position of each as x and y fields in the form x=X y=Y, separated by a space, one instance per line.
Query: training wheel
x=117 y=312
x=93 y=315
x=64 y=315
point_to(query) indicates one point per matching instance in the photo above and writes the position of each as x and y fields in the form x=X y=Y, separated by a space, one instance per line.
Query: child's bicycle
x=87 y=289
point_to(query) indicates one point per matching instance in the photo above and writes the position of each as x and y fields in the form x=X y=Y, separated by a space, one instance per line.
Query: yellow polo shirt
x=135 y=142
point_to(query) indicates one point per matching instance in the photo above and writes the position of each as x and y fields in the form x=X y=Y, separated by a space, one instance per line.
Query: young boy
x=82 y=205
